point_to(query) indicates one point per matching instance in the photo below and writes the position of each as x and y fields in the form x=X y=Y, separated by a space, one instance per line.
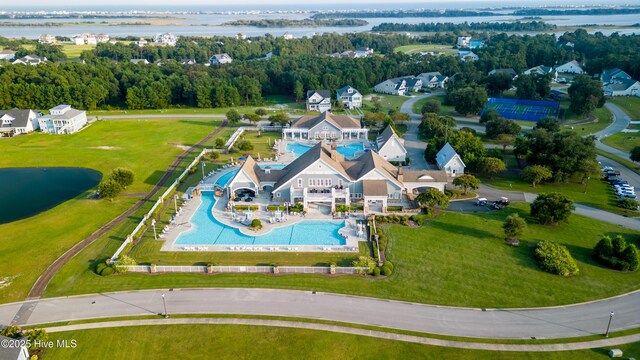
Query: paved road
x=415 y=147
x=620 y=122
x=557 y=322
x=605 y=342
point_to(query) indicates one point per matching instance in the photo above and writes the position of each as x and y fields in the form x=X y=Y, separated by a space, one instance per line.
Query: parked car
x=481 y=202
x=504 y=201
x=630 y=196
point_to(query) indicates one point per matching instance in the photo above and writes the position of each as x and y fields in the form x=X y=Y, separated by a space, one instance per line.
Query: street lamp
x=586 y=184
x=203 y=170
x=164 y=303
x=175 y=202
x=606 y=334
x=153 y=223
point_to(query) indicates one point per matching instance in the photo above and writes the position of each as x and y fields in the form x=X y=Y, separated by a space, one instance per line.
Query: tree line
x=466 y=26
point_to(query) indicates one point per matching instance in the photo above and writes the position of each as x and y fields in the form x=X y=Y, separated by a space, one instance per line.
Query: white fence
x=148 y=215
x=245 y=269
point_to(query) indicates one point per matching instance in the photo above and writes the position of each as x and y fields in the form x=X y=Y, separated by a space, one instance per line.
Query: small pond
x=25 y=192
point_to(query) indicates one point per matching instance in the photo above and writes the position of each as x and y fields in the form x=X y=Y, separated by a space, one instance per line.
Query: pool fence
x=209 y=269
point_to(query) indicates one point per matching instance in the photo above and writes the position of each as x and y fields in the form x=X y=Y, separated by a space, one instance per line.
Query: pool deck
x=183 y=224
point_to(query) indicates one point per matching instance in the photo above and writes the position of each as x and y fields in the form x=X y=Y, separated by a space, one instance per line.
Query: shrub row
x=555 y=258
x=245 y=207
x=616 y=254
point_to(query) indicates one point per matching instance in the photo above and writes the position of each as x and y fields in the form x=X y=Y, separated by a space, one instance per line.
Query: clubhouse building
x=324 y=127
x=323 y=176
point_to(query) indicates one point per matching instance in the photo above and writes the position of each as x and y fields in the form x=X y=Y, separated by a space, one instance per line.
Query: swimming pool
x=224 y=179
x=207 y=230
x=350 y=151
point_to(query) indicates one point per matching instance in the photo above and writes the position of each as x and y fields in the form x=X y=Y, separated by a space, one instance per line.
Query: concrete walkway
x=605 y=342
x=553 y=322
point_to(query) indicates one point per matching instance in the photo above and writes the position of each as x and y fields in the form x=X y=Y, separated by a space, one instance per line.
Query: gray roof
x=69 y=114
x=324 y=93
x=425 y=176
x=385 y=136
x=374 y=188
x=21 y=117
x=345 y=89
x=320 y=151
x=9 y=351
x=615 y=73
x=446 y=154
x=508 y=71
x=621 y=85
x=367 y=162
x=339 y=121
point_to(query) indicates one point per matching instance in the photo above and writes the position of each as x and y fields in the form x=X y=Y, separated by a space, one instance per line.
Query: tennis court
x=527 y=110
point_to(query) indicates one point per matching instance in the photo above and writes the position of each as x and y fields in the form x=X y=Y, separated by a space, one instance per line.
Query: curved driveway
x=620 y=122
x=556 y=322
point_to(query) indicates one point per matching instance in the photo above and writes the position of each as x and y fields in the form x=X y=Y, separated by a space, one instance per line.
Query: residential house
x=140 y=61
x=142 y=42
x=364 y=52
x=241 y=36
x=543 y=71
x=287 y=36
x=349 y=97
x=628 y=87
x=323 y=176
x=326 y=126
x=467 y=55
x=392 y=87
x=412 y=83
x=188 y=62
x=102 y=38
x=572 y=67
x=391 y=146
x=62 y=119
x=449 y=161
x=7 y=55
x=220 y=59
x=12 y=349
x=89 y=39
x=30 y=60
x=318 y=100
x=508 y=71
x=166 y=39
x=16 y=122
x=47 y=39
x=613 y=76
x=433 y=80
x=463 y=41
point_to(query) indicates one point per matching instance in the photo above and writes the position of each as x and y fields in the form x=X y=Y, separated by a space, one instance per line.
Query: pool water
x=350 y=151
x=209 y=231
x=224 y=179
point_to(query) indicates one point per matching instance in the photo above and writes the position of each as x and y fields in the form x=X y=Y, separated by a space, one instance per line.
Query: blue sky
x=209 y=3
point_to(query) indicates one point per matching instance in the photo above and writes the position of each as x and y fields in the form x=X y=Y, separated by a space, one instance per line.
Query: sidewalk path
x=605 y=342
x=553 y=322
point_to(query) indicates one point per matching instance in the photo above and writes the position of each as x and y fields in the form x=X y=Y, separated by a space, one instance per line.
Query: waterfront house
x=318 y=100
x=62 y=119
x=349 y=97
x=166 y=39
x=7 y=55
x=449 y=161
x=326 y=126
x=220 y=59
x=287 y=36
x=16 y=121
x=391 y=146
x=47 y=39
x=30 y=60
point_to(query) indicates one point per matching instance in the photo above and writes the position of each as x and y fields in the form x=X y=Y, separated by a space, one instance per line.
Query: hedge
x=107 y=271
x=386 y=271
x=555 y=258
x=394 y=208
x=276 y=207
x=376 y=271
x=617 y=254
x=245 y=207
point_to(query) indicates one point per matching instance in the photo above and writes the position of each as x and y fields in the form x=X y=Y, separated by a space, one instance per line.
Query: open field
x=253 y=342
x=623 y=141
x=28 y=246
x=597 y=193
x=418 y=48
x=269 y=101
x=73 y=51
x=388 y=102
x=630 y=104
x=604 y=119
x=424 y=272
x=444 y=109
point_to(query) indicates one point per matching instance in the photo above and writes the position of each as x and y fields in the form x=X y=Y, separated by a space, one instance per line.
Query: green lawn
x=28 y=246
x=73 y=51
x=604 y=119
x=457 y=259
x=257 y=342
x=389 y=102
x=416 y=48
x=630 y=104
x=444 y=109
x=623 y=141
x=295 y=107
